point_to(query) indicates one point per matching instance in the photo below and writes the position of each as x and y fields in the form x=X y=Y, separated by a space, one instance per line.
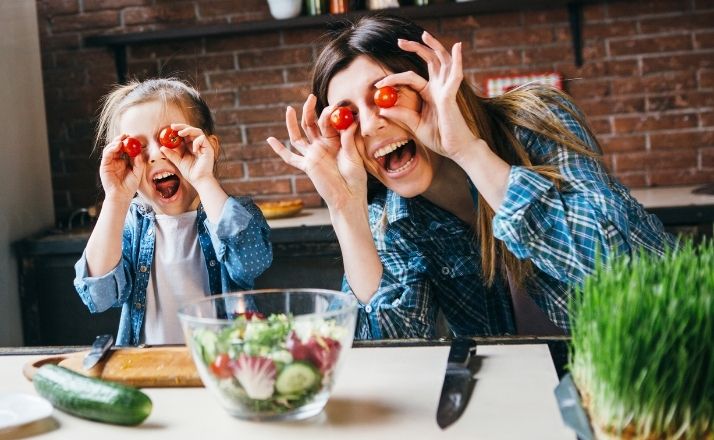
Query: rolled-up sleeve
x=241 y=239
x=399 y=309
x=102 y=292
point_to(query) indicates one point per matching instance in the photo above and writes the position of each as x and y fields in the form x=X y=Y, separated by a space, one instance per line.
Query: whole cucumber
x=91 y=398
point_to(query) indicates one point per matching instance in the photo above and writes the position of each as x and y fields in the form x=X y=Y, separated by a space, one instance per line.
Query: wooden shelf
x=118 y=42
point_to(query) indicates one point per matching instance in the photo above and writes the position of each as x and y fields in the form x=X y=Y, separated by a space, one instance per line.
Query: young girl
x=182 y=237
x=488 y=210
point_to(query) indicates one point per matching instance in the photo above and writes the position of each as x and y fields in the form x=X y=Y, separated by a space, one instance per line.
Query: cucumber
x=296 y=378
x=91 y=398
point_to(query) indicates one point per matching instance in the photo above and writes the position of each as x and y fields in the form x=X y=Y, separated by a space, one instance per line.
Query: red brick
x=491 y=58
x=250 y=187
x=258 y=134
x=245 y=79
x=594 y=12
x=249 y=116
x=489 y=38
x=677 y=62
x=678 y=140
x=268 y=168
x=312 y=200
x=304 y=185
x=93 y=59
x=242 y=42
x=220 y=100
x=632 y=180
x=545 y=16
x=298 y=37
x=600 y=126
x=704 y=40
x=198 y=65
x=706 y=79
x=680 y=100
x=707 y=157
x=587 y=88
x=701 y=20
x=625 y=9
x=165 y=50
x=274 y=95
x=665 y=82
x=299 y=74
x=223 y=8
x=96 y=5
x=50 y=8
x=231 y=170
x=60 y=42
x=142 y=69
x=649 y=123
x=706 y=118
x=608 y=29
x=275 y=57
x=84 y=22
x=250 y=152
x=659 y=160
x=624 y=144
x=687 y=176
x=539 y=55
x=173 y=13
x=470 y=22
x=669 y=43
x=229 y=134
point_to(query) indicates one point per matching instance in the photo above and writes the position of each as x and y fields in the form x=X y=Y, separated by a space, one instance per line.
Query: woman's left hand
x=439 y=124
x=196 y=159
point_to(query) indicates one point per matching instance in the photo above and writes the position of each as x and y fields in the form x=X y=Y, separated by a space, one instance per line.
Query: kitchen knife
x=101 y=345
x=458 y=381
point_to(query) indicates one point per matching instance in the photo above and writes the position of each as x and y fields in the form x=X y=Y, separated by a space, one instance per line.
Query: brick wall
x=647 y=83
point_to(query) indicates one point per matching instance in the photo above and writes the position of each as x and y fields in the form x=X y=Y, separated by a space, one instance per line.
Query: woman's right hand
x=328 y=157
x=120 y=176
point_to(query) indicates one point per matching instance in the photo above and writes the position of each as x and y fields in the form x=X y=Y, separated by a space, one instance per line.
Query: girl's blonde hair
x=168 y=91
x=492 y=119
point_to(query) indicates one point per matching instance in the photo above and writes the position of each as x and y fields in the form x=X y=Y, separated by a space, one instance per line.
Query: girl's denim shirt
x=237 y=250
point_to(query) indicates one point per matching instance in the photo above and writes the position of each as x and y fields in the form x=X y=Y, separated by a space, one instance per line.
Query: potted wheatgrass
x=643 y=345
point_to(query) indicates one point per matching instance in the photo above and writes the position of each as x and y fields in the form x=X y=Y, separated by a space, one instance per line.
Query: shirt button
x=137 y=305
x=142 y=269
x=212 y=263
x=445 y=270
x=434 y=226
x=150 y=231
x=368 y=309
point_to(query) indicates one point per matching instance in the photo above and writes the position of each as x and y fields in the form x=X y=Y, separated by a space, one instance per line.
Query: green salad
x=271 y=364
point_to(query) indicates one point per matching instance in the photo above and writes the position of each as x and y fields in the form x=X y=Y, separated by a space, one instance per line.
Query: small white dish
x=20 y=408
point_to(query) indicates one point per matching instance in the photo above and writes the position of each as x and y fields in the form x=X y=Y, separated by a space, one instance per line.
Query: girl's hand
x=439 y=125
x=328 y=157
x=120 y=174
x=196 y=158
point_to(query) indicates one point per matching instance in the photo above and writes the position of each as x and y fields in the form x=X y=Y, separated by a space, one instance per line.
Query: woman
x=478 y=200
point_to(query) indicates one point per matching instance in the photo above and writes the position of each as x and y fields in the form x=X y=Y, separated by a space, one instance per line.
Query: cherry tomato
x=221 y=366
x=341 y=118
x=131 y=146
x=386 y=97
x=169 y=138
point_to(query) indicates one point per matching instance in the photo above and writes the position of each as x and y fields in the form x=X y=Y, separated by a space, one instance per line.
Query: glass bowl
x=270 y=354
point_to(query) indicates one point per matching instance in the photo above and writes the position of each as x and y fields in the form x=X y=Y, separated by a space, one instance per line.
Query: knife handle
x=461 y=350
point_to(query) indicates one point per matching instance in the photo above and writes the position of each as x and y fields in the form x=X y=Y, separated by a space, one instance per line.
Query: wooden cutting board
x=139 y=367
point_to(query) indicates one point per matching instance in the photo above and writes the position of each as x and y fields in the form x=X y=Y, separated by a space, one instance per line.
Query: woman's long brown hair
x=492 y=119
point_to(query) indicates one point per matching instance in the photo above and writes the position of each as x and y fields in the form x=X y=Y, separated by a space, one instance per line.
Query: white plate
x=19 y=408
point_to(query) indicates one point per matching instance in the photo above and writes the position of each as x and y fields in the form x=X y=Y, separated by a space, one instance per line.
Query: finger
x=286 y=155
x=441 y=53
x=187 y=131
x=329 y=132
x=294 y=132
x=423 y=52
x=347 y=142
x=409 y=78
x=198 y=144
x=172 y=155
x=309 y=118
x=456 y=75
x=113 y=149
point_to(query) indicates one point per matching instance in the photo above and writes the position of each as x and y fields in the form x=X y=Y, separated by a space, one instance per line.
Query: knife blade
x=458 y=382
x=101 y=345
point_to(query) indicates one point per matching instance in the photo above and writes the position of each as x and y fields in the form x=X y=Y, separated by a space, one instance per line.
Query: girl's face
x=390 y=153
x=162 y=185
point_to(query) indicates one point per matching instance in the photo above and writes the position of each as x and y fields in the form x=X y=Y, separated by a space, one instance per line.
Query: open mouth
x=397 y=156
x=167 y=184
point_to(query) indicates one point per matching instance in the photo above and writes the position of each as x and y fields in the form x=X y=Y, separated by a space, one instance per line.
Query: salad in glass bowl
x=270 y=354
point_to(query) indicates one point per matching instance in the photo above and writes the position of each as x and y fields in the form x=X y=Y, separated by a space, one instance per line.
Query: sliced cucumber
x=91 y=398
x=297 y=378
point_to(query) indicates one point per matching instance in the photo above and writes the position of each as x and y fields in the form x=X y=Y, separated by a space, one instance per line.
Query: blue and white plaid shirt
x=432 y=261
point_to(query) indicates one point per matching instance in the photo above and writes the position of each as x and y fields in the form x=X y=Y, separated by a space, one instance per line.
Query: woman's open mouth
x=166 y=184
x=397 y=156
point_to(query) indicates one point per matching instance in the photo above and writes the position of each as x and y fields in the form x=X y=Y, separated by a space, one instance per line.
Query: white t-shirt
x=178 y=275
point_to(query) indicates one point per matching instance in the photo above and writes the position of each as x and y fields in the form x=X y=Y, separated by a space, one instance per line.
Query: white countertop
x=381 y=393
x=674 y=196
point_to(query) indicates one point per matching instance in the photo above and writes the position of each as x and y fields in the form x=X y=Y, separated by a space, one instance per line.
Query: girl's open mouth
x=396 y=157
x=167 y=184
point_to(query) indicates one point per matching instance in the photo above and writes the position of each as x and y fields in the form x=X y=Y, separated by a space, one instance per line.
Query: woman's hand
x=328 y=157
x=120 y=174
x=439 y=125
x=196 y=158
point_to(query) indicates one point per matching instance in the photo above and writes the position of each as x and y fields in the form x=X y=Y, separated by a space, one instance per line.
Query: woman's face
x=390 y=153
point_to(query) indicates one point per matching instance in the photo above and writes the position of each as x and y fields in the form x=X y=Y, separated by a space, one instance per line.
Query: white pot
x=281 y=9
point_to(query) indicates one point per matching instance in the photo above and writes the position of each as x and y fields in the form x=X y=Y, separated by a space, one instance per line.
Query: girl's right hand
x=328 y=157
x=120 y=176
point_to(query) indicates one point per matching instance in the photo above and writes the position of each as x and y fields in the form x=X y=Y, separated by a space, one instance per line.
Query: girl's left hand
x=196 y=159
x=439 y=124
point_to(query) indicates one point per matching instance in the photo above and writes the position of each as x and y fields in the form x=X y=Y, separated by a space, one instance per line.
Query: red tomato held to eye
x=131 y=147
x=341 y=118
x=386 y=97
x=169 y=138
